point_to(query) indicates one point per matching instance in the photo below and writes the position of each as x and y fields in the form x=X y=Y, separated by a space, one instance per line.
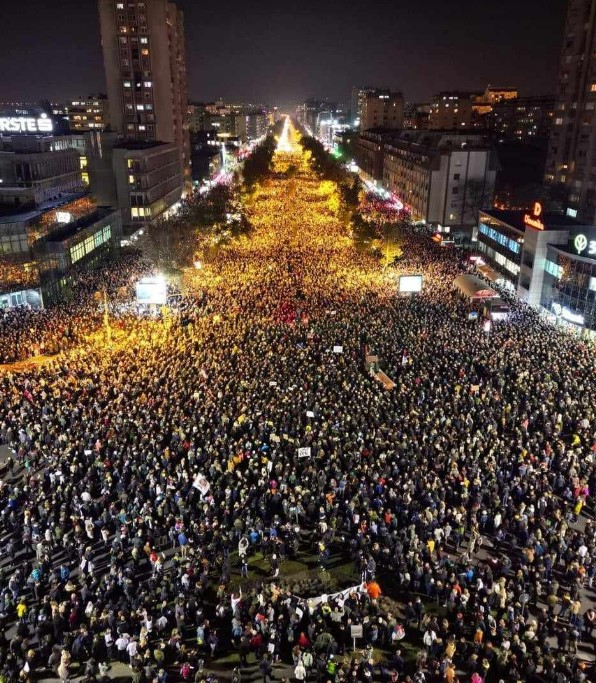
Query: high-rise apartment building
x=88 y=113
x=359 y=95
x=382 y=109
x=524 y=119
x=451 y=110
x=571 y=161
x=145 y=66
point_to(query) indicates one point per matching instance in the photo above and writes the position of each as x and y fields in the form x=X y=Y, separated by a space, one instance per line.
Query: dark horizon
x=283 y=54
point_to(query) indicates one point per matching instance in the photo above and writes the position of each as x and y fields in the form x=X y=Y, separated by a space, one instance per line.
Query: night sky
x=281 y=53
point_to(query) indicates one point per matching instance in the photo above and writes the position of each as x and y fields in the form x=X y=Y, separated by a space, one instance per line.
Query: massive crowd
x=27 y=332
x=149 y=481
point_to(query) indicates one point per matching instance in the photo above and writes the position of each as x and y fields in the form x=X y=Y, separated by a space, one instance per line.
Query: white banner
x=201 y=484
x=326 y=598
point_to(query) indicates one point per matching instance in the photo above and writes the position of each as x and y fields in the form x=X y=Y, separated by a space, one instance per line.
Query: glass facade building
x=569 y=290
x=548 y=259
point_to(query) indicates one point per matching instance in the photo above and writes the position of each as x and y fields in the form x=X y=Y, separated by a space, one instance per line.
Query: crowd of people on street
x=27 y=332
x=157 y=491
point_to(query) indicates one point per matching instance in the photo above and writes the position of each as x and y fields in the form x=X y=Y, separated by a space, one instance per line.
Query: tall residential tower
x=145 y=67
x=571 y=161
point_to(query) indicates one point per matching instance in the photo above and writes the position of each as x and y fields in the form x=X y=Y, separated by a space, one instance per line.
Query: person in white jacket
x=300 y=671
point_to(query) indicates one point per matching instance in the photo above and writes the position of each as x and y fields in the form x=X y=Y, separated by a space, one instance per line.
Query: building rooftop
x=133 y=145
x=9 y=215
x=441 y=139
x=551 y=220
x=457 y=93
x=68 y=230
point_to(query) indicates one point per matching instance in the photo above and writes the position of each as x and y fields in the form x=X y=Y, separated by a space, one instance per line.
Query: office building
x=451 y=110
x=43 y=189
x=443 y=178
x=382 y=109
x=35 y=169
x=547 y=259
x=41 y=250
x=570 y=161
x=145 y=67
x=88 y=113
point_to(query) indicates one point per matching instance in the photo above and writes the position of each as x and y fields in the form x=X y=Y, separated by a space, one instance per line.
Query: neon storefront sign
x=533 y=220
x=582 y=243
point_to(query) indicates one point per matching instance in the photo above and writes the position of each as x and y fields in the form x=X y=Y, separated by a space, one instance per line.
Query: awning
x=473 y=287
x=489 y=273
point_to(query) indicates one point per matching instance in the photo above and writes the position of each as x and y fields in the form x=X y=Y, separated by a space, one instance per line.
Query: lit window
x=131 y=180
x=593 y=87
x=141 y=127
x=140 y=107
x=558 y=122
x=144 y=41
x=148 y=84
x=129 y=163
x=127 y=84
x=134 y=212
x=145 y=52
x=119 y=5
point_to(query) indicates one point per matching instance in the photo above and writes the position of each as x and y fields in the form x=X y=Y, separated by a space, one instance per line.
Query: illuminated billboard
x=152 y=290
x=410 y=284
x=26 y=124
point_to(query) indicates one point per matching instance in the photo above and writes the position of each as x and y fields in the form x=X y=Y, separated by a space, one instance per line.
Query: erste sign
x=26 y=124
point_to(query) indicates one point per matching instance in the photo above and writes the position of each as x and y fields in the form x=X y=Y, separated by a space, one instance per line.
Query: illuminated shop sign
x=582 y=243
x=26 y=124
x=533 y=220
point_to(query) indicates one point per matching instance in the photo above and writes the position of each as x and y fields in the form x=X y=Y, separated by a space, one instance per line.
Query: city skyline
x=282 y=55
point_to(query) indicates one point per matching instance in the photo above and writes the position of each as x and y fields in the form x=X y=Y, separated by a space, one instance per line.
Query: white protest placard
x=201 y=483
x=274 y=438
x=356 y=631
x=309 y=413
x=304 y=452
x=338 y=349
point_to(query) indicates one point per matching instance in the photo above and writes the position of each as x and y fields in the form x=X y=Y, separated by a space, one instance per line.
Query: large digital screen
x=152 y=290
x=410 y=283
